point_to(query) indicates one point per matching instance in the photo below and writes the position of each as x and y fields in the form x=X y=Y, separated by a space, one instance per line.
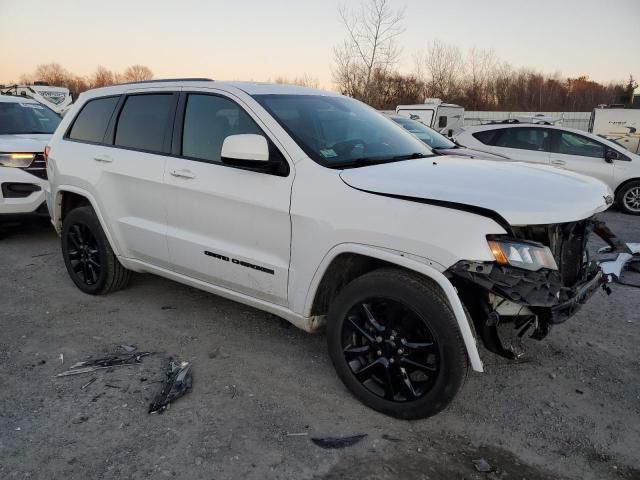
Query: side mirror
x=247 y=147
x=610 y=155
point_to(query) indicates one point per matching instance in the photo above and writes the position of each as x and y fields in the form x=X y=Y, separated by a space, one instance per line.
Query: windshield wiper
x=361 y=162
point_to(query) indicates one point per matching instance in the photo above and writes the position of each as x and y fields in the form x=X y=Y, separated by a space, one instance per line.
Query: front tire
x=89 y=259
x=629 y=198
x=395 y=343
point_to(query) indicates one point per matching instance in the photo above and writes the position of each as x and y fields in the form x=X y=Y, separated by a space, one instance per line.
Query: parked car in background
x=621 y=125
x=58 y=99
x=316 y=208
x=440 y=144
x=25 y=128
x=446 y=118
x=565 y=148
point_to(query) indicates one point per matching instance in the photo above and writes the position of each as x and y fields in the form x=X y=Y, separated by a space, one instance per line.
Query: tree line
x=56 y=75
x=365 y=66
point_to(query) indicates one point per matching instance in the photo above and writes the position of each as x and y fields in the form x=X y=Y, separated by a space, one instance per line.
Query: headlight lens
x=522 y=254
x=20 y=160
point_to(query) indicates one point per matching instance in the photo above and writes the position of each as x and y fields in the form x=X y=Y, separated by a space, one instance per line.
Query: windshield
x=23 y=118
x=340 y=132
x=424 y=133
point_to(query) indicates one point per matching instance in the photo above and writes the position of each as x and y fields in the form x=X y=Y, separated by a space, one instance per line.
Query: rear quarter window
x=486 y=136
x=91 y=123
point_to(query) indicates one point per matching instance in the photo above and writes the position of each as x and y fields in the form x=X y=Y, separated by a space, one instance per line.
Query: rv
x=57 y=99
x=621 y=125
x=445 y=118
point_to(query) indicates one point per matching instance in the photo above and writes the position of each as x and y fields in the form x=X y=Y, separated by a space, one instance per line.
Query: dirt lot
x=570 y=410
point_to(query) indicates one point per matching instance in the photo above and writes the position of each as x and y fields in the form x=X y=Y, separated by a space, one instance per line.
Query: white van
x=445 y=118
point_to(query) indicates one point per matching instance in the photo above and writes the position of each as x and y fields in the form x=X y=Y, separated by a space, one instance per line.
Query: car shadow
x=27 y=225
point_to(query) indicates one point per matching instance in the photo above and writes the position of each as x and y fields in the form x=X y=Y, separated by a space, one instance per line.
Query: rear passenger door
x=131 y=181
x=228 y=225
x=581 y=154
x=525 y=144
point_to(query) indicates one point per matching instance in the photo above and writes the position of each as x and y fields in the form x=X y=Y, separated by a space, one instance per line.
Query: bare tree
x=440 y=68
x=306 y=80
x=371 y=46
x=480 y=69
x=102 y=77
x=137 y=73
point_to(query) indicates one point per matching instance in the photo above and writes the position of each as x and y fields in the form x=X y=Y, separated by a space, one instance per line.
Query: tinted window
x=486 y=136
x=424 y=133
x=442 y=122
x=26 y=117
x=572 y=144
x=144 y=120
x=341 y=132
x=208 y=120
x=91 y=123
x=524 y=139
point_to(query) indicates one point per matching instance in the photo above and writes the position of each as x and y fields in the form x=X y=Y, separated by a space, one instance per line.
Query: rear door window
x=91 y=123
x=568 y=143
x=524 y=139
x=487 y=136
x=145 y=122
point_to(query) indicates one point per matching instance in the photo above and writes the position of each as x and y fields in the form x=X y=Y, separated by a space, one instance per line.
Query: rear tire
x=89 y=259
x=395 y=343
x=628 y=198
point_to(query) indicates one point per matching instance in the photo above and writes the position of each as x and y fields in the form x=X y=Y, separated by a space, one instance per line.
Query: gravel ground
x=571 y=409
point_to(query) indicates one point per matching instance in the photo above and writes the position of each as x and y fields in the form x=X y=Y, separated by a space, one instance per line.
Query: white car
x=318 y=209
x=25 y=129
x=566 y=148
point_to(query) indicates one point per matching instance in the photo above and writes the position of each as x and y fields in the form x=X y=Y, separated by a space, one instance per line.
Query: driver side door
x=581 y=154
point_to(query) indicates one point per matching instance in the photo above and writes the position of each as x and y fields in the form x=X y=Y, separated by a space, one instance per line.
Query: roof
x=251 y=88
x=494 y=126
x=16 y=99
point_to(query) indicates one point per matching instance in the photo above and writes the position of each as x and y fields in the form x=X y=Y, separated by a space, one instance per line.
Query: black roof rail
x=162 y=80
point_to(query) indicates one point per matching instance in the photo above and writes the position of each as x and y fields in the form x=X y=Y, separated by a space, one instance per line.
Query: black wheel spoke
x=408 y=384
x=364 y=373
x=352 y=351
x=423 y=367
x=389 y=389
x=361 y=330
x=76 y=265
x=419 y=346
x=371 y=319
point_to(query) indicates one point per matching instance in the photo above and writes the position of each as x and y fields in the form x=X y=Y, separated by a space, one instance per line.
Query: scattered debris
x=43 y=254
x=111 y=386
x=105 y=362
x=482 y=465
x=80 y=419
x=167 y=307
x=128 y=348
x=301 y=434
x=61 y=358
x=389 y=438
x=579 y=391
x=338 y=442
x=552 y=376
x=179 y=382
x=88 y=383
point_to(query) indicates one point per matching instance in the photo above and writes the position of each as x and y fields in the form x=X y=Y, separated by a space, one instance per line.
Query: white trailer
x=57 y=99
x=446 y=118
x=621 y=125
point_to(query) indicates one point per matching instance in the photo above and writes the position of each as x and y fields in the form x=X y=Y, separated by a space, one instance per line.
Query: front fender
x=428 y=268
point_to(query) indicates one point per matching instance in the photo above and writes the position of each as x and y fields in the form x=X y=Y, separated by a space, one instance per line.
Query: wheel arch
x=346 y=262
x=69 y=197
x=624 y=184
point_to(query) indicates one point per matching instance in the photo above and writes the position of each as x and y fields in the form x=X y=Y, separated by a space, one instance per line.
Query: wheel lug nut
x=379 y=352
x=378 y=339
x=391 y=360
x=400 y=351
x=392 y=338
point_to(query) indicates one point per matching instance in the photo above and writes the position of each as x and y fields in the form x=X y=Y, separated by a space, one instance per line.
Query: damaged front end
x=542 y=275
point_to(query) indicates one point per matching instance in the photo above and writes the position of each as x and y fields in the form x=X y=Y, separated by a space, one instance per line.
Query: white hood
x=23 y=143
x=522 y=193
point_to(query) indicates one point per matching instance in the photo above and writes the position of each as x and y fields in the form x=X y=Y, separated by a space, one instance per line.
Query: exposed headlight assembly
x=521 y=254
x=19 y=160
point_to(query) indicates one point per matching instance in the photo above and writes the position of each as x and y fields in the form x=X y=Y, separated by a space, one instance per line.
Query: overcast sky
x=263 y=39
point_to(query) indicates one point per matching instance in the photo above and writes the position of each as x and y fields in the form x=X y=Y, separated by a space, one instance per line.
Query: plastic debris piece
x=105 y=362
x=338 y=442
x=128 y=348
x=389 y=438
x=179 y=381
x=301 y=434
x=482 y=465
x=88 y=383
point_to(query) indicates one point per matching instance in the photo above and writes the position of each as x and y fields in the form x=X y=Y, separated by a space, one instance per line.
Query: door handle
x=182 y=174
x=103 y=159
x=558 y=162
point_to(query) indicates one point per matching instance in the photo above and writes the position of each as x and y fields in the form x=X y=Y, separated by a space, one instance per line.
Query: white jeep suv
x=318 y=209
